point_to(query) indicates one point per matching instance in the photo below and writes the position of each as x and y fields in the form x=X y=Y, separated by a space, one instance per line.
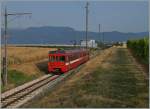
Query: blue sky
x=123 y=16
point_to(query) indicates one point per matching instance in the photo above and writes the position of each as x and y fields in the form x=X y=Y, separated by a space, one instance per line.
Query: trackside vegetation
x=16 y=78
x=140 y=48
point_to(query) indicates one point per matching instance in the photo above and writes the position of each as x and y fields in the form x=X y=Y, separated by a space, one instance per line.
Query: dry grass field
x=19 y=55
x=27 y=59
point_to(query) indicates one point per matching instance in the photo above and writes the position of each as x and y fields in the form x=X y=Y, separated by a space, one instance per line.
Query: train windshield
x=52 y=58
x=57 y=58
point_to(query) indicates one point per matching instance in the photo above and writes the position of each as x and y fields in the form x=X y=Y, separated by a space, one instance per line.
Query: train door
x=67 y=62
x=69 y=59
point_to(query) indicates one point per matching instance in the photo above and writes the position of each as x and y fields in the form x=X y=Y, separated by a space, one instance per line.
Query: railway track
x=20 y=96
x=13 y=99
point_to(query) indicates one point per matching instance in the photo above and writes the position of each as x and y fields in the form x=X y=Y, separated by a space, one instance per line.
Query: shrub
x=140 y=48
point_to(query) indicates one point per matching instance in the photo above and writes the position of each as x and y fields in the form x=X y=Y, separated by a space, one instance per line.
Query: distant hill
x=63 y=35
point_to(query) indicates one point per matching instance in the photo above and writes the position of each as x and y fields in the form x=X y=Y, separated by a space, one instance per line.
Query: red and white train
x=65 y=60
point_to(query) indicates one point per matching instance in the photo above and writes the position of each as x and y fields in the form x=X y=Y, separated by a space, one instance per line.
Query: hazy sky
x=123 y=16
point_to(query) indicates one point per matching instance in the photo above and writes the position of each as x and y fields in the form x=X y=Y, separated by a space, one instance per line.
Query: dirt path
x=111 y=79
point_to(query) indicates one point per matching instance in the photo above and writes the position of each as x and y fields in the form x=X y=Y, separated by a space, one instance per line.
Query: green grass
x=16 y=78
x=117 y=86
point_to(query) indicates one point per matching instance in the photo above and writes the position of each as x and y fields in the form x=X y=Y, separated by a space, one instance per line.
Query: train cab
x=56 y=62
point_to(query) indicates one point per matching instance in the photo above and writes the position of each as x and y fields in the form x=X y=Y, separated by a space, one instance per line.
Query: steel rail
x=3 y=98
x=27 y=90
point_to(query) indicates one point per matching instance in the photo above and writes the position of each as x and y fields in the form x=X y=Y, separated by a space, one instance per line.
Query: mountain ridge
x=64 y=35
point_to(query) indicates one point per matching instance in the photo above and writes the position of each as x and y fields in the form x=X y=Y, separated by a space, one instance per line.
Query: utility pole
x=87 y=11
x=5 y=71
x=4 y=77
x=99 y=33
x=103 y=39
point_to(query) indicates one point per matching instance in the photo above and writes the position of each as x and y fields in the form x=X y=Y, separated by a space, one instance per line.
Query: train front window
x=62 y=58
x=57 y=58
x=52 y=58
x=49 y=58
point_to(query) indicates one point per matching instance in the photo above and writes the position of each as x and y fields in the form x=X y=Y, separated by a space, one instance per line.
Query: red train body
x=65 y=60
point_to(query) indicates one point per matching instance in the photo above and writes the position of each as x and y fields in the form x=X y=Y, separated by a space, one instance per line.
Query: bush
x=16 y=78
x=140 y=48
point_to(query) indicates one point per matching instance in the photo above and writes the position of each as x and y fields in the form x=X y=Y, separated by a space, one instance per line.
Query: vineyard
x=140 y=48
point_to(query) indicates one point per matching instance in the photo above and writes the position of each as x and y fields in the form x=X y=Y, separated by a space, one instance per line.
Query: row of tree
x=140 y=48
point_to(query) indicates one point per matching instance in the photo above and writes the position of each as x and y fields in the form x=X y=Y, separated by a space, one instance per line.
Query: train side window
x=71 y=58
x=62 y=58
x=68 y=58
x=76 y=56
